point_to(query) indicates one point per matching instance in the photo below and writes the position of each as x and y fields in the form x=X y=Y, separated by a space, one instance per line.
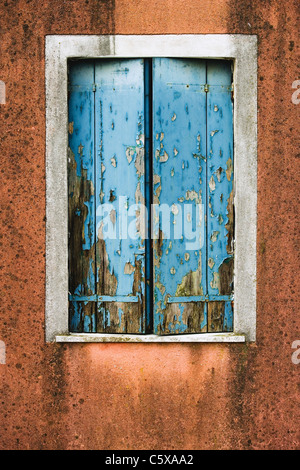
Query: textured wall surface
x=147 y=396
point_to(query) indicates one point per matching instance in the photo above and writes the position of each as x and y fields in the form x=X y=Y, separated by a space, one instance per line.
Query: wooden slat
x=179 y=178
x=119 y=186
x=220 y=223
x=81 y=195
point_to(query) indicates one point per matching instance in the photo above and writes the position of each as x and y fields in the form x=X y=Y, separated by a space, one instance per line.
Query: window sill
x=126 y=338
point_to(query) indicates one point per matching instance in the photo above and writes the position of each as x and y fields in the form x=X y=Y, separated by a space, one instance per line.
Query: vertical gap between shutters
x=148 y=191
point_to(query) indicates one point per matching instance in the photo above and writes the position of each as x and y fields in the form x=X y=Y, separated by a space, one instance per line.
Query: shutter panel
x=120 y=196
x=81 y=222
x=179 y=182
x=220 y=196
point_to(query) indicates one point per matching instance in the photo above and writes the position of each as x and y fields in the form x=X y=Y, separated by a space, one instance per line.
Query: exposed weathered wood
x=183 y=318
x=219 y=316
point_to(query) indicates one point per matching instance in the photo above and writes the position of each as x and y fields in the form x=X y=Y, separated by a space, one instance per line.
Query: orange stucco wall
x=147 y=396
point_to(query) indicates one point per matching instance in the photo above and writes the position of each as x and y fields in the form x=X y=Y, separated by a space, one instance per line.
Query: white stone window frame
x=242 y=50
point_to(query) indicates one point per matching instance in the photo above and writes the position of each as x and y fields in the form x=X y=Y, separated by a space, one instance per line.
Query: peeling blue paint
x=110 y=119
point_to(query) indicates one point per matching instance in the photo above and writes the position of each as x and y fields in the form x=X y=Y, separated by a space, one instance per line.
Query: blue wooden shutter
x=220 y=215
x=81 y=184
x=179 y=183
x=193 y=164
x=192 y=183
x=106 y=196
x=120 y=187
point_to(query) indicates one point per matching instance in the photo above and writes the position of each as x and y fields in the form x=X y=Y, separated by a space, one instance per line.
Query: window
x=151 y=140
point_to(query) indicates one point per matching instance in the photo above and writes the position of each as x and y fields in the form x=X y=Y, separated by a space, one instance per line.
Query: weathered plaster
x=57 y=396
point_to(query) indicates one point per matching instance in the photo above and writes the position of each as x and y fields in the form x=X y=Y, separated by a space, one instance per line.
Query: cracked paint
x=199 y=134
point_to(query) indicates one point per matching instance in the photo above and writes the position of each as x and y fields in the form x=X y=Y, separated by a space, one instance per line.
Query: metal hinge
x=232 y=91
x=206 y=88
x=94 y=87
